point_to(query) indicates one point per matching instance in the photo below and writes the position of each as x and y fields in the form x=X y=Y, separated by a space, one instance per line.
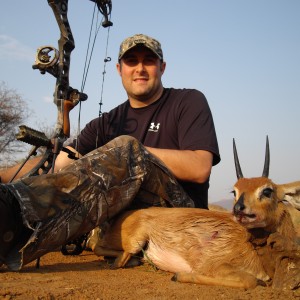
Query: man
x=174 y=125
x=159 y=135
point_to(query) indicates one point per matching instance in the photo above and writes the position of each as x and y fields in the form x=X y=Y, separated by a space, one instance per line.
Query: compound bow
x=57 y=63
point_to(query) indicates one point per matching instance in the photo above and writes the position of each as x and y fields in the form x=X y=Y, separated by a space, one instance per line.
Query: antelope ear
x=290 y=192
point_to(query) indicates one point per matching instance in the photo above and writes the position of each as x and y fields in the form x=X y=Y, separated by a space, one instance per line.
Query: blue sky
x=243 y=55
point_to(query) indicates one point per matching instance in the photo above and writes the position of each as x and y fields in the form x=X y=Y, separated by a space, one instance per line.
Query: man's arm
x=6 y=174
x=186 y=165
x=62 y=160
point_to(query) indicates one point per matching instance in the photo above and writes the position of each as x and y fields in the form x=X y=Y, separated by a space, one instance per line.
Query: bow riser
x=66 y=45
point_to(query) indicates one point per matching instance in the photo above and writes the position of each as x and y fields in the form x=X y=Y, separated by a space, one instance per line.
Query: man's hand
x=68 y=106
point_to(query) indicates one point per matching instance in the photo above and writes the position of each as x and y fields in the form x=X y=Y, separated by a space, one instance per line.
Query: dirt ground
x=89 y=277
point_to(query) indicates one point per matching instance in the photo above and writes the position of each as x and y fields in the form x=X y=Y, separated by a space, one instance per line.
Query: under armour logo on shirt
x=154 y=127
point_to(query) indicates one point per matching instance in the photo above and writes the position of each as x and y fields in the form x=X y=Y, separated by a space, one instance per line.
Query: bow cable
x=89 y=53
x=106 y=59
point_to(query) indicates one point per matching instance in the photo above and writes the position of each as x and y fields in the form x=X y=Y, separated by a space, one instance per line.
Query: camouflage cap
x=141 y=39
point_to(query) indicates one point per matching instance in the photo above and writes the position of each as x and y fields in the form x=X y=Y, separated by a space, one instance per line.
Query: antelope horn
x=267 y=160
x=238 y=169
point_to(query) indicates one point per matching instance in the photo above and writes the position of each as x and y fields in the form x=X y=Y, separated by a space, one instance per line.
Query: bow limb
x=66 y=45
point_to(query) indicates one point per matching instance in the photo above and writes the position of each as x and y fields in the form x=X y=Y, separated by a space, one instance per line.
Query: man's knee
x=126 y=142
x=125 y=139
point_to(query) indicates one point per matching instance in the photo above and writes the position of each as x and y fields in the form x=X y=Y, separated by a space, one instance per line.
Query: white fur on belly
x=166 y=259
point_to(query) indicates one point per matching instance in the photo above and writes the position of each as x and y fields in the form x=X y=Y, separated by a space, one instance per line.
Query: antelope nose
x=239 y=205
x=238 y=208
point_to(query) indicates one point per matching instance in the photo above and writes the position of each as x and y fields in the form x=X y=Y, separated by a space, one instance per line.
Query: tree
x=13 y=111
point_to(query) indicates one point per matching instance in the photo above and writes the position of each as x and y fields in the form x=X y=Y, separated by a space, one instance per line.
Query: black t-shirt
x=181 y=119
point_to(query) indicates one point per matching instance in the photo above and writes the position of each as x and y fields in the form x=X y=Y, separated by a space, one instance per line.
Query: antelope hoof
x=133 y=262
x=174 y=278
x=261 y=282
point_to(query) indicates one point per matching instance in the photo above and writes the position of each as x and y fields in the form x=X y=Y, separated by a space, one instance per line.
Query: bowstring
x=106 y=60
x=88 y=57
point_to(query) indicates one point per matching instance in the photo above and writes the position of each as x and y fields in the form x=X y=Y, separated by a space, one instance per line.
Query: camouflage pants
x=63 y=206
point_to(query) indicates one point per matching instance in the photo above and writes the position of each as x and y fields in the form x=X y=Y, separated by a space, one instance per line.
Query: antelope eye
x=267 y=192
x=234 y=193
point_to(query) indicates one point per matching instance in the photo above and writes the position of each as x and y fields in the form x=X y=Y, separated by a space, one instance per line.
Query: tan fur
x=290 y=192
x=295 y=215
x=216 y=207
x=209 y=247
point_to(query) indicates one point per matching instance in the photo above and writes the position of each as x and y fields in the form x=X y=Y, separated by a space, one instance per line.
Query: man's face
x=141 y=71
